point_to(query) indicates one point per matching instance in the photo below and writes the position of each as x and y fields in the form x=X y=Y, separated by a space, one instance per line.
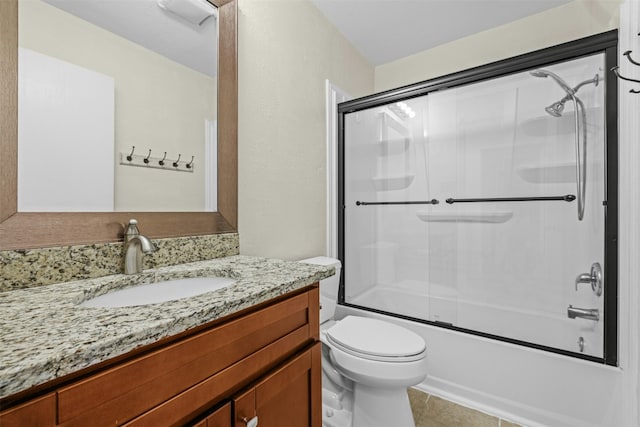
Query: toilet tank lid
x=323 y=260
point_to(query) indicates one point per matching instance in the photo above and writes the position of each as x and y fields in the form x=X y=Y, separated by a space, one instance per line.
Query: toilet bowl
x=367 y=364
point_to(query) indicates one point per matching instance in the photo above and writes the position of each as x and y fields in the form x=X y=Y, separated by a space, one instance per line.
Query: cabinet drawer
x=40 y=412
x=120 y=394
x=183 y=407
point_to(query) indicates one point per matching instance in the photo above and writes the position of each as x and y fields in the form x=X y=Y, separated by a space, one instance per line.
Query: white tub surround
x=47 y=335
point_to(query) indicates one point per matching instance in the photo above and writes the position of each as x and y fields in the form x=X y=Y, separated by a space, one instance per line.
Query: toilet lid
x=377 y=338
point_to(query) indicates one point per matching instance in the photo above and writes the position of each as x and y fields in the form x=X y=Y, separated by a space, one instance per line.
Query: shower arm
x=577 y=88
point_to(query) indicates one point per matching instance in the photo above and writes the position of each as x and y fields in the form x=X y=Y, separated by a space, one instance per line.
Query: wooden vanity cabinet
x=272 y=350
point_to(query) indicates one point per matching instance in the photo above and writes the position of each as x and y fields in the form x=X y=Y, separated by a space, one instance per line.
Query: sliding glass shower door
x=481 y=207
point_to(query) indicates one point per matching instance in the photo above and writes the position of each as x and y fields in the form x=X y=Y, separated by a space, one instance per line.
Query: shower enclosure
x=485 y=201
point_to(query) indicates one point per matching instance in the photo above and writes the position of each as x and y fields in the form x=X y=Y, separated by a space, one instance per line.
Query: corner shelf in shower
x=554 y=173
x=388 y=147
x=545 y=125
x=494 y=217
x=392 y=182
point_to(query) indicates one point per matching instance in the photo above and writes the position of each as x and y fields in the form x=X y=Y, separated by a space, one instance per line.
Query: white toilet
x=367 y=364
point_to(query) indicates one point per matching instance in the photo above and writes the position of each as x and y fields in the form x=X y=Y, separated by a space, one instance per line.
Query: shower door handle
x=594 y=278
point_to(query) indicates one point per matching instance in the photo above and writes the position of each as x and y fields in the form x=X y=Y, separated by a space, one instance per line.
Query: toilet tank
x=328 y=286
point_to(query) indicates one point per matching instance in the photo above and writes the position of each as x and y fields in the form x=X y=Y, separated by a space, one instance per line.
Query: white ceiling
x=144 y=23
x=386 y=30
x=381 y=30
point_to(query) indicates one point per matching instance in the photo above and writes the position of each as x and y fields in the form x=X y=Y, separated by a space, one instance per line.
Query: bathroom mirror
x=116 y=105
x=165 y=213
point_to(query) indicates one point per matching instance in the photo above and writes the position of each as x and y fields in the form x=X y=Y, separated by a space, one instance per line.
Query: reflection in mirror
x=98 y=77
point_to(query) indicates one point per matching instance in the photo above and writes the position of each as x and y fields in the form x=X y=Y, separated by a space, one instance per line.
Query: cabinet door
x=221 y=417
x=35 y=413
x=244 y=408
x=290 y=396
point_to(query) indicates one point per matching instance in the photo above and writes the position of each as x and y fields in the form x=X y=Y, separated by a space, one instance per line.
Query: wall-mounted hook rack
x=148 y=161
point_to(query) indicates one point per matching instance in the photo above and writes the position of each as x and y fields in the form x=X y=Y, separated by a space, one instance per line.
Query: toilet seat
x=375 y=339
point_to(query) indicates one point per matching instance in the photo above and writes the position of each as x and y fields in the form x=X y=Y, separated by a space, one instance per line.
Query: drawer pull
x=253 y=422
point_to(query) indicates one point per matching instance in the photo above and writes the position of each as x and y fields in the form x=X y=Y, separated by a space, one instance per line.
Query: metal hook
x=146 y=159
x=175 y=164
x=628 y=55
x=617 y=73
x=130 y=156
x=161 y=162
x=190 y=164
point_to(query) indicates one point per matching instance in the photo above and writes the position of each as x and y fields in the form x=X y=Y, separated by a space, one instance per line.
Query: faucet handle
x=132 y=230
x=593 y=278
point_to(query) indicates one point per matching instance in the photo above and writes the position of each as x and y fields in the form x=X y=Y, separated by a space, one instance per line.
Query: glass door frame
x=606 y=43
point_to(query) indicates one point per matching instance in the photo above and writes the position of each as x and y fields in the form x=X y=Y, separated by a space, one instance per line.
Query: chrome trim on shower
x=580 y=116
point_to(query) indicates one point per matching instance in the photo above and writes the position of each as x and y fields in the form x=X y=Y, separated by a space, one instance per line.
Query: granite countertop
x=46 y=335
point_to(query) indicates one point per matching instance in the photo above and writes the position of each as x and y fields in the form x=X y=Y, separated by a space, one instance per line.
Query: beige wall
x=574 y=20
x=286 y=51
x=160 y=104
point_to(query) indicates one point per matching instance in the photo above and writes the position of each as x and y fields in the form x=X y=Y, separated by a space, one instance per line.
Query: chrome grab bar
x=565 y=198
x=450 y=201
x=583 y=313
x=417 y=202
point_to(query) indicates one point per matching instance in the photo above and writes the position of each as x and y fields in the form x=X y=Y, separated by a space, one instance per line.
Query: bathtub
x=439 y=303
x=528 y=386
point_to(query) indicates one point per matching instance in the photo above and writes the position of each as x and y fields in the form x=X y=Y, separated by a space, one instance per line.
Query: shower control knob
x=594 y=278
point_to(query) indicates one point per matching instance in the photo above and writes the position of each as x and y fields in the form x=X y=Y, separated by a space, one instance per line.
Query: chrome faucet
x=135 y=245
x=584 y=313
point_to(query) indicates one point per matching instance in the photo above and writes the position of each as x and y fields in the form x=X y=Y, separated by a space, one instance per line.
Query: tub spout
x=584 y=313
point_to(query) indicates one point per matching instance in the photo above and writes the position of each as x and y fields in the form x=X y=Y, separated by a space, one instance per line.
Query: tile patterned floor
x=433 y=411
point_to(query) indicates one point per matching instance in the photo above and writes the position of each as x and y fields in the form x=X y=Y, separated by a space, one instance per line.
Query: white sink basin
x=153 y=293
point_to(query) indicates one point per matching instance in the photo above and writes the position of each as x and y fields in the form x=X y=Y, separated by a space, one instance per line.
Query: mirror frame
x=27 y=230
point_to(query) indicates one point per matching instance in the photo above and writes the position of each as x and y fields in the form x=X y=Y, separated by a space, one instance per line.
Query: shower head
x=556 y=108
x=539 y=73
x=545 y=73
